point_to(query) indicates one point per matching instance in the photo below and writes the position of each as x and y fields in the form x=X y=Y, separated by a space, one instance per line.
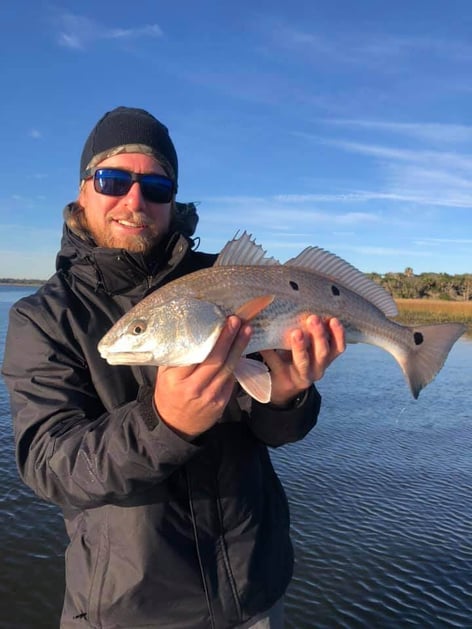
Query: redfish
x=179 y=323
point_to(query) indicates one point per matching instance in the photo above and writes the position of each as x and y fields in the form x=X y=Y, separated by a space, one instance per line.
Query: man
x=175 y=515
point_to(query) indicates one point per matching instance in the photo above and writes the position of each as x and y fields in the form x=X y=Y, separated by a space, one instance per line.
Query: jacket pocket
x=86 y=559
x=101 y=561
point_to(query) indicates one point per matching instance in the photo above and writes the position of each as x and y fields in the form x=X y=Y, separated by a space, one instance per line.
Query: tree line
x=408 y=285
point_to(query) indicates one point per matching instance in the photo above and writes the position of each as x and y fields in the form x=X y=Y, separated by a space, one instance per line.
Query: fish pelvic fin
x=253 y=307
x=432 y=346
x=254 y=378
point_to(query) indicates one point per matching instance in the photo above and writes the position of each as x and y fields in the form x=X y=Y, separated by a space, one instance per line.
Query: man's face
x=128 y=222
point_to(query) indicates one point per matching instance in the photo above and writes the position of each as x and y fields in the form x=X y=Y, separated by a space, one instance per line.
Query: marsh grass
x=414 y=311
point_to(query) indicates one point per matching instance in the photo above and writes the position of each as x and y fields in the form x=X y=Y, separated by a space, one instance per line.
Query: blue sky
x=335 y=123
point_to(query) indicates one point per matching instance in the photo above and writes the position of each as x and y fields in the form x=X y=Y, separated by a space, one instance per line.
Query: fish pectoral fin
x=254 y=377
x=253 y=307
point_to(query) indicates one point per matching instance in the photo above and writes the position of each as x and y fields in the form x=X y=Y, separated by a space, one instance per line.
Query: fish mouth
x=126 y=358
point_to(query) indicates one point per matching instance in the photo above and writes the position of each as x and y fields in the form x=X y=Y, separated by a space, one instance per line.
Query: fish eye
x=137 y=327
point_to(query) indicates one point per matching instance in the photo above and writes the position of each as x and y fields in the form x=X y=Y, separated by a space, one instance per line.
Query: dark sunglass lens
x=157 y=189
x=112 y=182
x=117 y=183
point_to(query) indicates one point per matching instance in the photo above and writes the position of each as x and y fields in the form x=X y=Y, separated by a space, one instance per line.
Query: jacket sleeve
x=69 y=450
x=277 y=426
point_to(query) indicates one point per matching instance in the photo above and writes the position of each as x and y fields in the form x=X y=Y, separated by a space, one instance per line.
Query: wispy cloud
x=362 y=47
x=272 y=214
x=290 y=209
x=423 y=156
x=442 y=241
x=361 y=196
x=456 y=199
x=386 y=251
x=429 y=132
x=78 y=32
x=35 y=134
x=412 y=175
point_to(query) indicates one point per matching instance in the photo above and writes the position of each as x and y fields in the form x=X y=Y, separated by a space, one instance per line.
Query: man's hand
x=313 y=350
x=191 y=399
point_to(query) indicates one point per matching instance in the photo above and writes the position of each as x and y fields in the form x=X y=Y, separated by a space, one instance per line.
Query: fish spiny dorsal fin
x=242 y=251
x=338 y=270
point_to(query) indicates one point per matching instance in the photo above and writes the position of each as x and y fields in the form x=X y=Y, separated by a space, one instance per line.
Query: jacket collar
x=117 y=271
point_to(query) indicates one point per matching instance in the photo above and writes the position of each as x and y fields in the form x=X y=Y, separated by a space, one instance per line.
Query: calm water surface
x=380 y=494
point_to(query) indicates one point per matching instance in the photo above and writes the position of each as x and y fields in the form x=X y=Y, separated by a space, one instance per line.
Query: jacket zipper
x=224 y=554
x=200 y=561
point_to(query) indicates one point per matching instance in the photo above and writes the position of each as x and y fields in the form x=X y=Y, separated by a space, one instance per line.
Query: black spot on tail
x=335 y=290
x=294 y=285
x=419 y=338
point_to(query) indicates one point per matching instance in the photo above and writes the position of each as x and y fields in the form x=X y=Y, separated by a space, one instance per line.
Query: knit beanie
x=128 y=126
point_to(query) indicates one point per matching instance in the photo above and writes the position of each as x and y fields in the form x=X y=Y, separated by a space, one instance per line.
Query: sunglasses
x=116 y=183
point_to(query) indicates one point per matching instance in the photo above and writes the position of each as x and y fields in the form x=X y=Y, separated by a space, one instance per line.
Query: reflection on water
x=380 y=497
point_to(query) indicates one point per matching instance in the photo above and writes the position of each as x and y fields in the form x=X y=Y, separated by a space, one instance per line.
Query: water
x=380 y=496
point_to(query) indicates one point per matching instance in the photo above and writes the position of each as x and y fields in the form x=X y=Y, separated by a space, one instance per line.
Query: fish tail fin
x=254 y=377
x=432 y=345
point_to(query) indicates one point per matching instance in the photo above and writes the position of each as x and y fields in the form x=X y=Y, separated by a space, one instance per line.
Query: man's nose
x=134 y=197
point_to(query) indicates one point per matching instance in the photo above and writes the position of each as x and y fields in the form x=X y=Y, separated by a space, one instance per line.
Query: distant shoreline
x=22 y=282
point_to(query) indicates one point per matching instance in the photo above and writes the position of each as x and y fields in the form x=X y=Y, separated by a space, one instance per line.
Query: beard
x=134 y=243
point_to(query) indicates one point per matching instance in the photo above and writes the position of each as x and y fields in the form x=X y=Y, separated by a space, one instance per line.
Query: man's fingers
x=338 y=340
x=301 y=354
x=218 y=355
x=275 y=360
x=237 y=348
x=321 y=345
x=223 y=358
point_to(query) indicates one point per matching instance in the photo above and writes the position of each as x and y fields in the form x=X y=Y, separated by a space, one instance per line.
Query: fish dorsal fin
x=241 y=251
x=335 y=268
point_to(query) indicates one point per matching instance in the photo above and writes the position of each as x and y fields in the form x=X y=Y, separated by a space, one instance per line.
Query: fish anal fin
x=253 y=307
x=254 y=378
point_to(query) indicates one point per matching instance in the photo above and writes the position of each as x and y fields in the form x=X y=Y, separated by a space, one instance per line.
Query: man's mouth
x=132 y=224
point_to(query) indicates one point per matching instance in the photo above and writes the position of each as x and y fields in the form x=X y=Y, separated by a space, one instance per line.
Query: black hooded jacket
x=164 y=532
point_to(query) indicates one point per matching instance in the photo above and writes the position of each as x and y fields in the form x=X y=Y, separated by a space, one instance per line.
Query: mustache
x=139 y=218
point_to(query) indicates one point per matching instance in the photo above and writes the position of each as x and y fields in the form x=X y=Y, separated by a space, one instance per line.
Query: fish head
x=181 y=331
